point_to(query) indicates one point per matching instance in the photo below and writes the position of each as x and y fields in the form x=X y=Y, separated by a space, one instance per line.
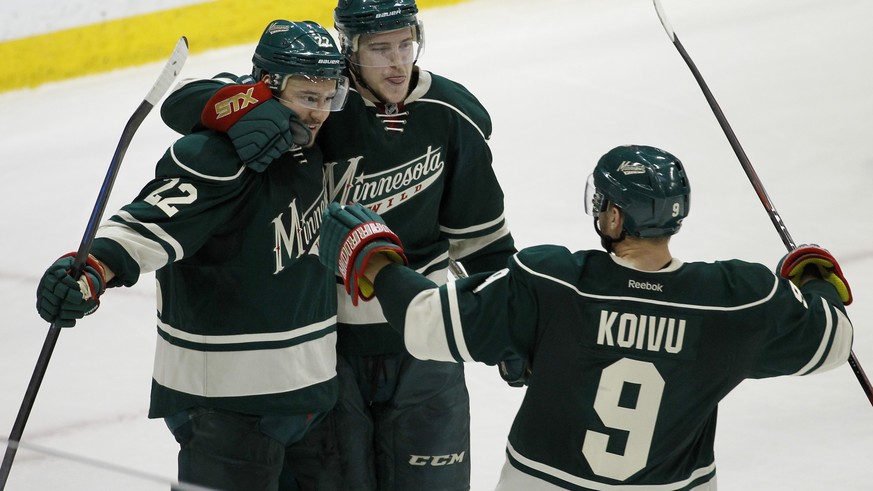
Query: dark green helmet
x=354 y=17
x=648 y=184
x=296 y=48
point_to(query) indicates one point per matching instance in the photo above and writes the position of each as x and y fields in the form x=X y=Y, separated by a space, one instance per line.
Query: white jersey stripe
x=732 y=308
x=264 y=337
x=508 y=482
x=245 y=373
x=425 y=334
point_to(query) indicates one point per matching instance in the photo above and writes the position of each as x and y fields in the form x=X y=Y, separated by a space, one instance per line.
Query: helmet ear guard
x=647 y=184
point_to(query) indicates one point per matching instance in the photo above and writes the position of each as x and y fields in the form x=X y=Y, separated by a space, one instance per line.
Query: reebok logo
x=644 y=285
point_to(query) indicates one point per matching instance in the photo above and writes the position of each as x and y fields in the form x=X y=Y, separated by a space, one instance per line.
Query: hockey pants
x=232 y=451
x=403 y=424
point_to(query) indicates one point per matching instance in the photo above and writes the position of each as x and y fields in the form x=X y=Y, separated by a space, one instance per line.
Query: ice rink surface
x=564 y=81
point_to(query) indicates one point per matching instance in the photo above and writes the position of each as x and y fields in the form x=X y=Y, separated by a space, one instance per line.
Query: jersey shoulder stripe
x=456 y=97
x=205 y=155
x=555 y=263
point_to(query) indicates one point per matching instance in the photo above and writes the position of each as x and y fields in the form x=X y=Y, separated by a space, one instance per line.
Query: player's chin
x=393 y=92
x=314 y=128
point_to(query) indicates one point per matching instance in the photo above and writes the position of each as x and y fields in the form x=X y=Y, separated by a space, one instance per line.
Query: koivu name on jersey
x=385 y=189
x=300 y=235
x=641 y=332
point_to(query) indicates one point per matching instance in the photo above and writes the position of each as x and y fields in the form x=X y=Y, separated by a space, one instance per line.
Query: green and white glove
x=350 y=236
x=62 y=299
x=260 y=127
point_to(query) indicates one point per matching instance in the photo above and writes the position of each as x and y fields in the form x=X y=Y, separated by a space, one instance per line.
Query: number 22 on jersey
x=168 y=204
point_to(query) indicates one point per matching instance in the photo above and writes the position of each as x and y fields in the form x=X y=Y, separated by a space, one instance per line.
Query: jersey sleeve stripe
x=464 y=247
x=424 y=332
x=835 y=344
x=475 y=228
x=159 y=232
x=148 y=254
x=456 y=325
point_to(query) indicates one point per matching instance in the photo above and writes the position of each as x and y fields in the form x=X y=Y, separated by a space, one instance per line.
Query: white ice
x=564 y=80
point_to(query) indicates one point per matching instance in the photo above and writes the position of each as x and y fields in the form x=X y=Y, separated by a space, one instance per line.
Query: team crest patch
x=629 y=168
x=276 y=27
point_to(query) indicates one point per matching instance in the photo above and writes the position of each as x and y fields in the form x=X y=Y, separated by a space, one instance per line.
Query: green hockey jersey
x=246 y=315
x=628 y=366
x=425 y=167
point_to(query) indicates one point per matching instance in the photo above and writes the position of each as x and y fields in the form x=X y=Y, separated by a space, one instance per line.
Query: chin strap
x=606 y=241
x=359 y=79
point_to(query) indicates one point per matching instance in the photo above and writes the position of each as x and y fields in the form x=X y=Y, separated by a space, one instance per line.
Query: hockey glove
x=62 y=299
x=260 y=127
x=350 y=236
x=793 y=265
x=514 y=371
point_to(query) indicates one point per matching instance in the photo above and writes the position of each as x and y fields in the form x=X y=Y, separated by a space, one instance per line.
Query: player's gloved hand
x=62 y=299
x=514 y=371
x=350 y=236
x=260 y=127
x=796 y=262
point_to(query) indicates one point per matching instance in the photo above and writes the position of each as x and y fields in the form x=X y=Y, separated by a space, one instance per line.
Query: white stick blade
x=170 y=72
x=664 y=22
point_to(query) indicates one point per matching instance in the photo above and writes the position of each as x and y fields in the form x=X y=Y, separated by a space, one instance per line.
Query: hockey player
x=246 y=348
x=413 y=146
x=631 y=348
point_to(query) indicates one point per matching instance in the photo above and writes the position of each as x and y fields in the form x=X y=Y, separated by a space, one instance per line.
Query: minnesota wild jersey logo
x=385 y=189
x=296 y=231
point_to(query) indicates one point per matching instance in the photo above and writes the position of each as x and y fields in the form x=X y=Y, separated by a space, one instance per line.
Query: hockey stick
x=166 y=78
x=750 y=171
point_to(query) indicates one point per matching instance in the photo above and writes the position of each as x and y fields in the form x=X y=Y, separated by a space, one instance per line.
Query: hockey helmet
x=648 y=184
x=306 y=49
x=355 y=17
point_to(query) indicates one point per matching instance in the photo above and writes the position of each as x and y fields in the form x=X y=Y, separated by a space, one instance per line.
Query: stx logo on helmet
x=234 y=103
x=630 y=168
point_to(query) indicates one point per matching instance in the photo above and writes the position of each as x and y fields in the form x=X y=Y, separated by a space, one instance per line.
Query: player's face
x=311 y=98
x=385 y=62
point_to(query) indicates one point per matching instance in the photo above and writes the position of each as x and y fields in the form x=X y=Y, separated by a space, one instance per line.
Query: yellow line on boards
x=150 y=37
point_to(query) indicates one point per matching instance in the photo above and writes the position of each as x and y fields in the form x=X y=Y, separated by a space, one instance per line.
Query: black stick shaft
x=750 y=172
x=168 y=74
